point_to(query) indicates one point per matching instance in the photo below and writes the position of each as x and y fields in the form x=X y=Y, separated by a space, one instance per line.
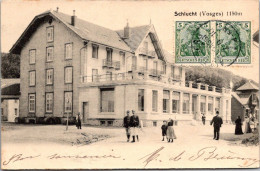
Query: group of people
x=132 y=125
x=168 y=131
x=248 y=129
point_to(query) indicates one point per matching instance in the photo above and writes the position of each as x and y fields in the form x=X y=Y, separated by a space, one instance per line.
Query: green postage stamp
x=233 y=42
x=224 y=42
x=192 y=40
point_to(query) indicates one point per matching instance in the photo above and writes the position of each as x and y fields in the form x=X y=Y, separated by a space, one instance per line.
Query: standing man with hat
x=134 y=122
x=127 y=125
x=217 y=124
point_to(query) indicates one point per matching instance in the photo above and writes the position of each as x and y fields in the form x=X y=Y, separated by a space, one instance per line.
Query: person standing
x=170 y=131
x=134 y=123
x=78 y=121
x=203 y=118
x=238 y=129
x=127 y=125
x=247 y=125
x=217 y=122
x=164 y=129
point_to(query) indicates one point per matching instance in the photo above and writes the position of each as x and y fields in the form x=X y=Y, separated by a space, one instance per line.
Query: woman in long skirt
x=247 y=125
x=238 y=129
x=170 y=131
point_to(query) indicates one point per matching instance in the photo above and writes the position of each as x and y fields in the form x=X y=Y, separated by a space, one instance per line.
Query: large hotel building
x=69 y=65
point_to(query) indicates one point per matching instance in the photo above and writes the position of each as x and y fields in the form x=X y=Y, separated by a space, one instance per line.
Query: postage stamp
x=190 y=47
x=233 y=42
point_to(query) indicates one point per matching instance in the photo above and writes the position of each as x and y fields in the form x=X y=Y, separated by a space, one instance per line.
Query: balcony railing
x=152 y=54
x=175 y=77
x=151 y=75
x=111 y=64
x=144 y=51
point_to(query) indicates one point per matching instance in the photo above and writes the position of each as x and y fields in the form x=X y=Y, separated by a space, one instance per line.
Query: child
x=164 y=129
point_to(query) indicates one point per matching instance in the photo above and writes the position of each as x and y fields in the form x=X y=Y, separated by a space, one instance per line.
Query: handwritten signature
x=18 y=157
x=205 y=154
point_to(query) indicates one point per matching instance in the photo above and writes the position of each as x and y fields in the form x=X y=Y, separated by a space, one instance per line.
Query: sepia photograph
x=129 y=84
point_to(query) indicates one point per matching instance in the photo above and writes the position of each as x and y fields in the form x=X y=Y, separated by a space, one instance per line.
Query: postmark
x=189 y=47
x=233 y=42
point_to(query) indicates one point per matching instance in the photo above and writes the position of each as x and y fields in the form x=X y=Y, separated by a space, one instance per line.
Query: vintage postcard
x=129 y=84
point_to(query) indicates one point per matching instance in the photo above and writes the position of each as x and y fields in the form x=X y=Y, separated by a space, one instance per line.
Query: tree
x=10 y=65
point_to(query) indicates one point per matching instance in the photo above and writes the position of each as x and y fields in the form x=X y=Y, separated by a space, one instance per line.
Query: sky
x=16 y=16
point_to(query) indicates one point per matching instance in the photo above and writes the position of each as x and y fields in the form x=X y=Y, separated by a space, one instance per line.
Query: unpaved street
x=50 y=146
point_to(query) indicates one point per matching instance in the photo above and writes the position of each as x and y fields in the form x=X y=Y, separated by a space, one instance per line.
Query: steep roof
x=234 y=94
x=256 y=37
x=85 y=30
x=8 y=82
x=10 y=88
x=136 y=36
x=248 y=86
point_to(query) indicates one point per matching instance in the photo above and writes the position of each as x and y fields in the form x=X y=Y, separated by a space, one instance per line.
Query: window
x=94 y=75
x=94 y=51
x=172 y=71
x=109 y=54
x=49 y=54
x=164 y=68
x=186 y=101
x=107 y=100
x=155 y=67
x=122 y=57
x=166 y=98
x=203 y=104
x=49 y=102
x=145 y=64
x=49 y=34
x=217 y=105
x=109 y=123
x=15 y=111
x=210 y=105
x=175 y=102
x=154 y=123
x=68 y=74
x=155 y=101
x=109 y=76
x=146 y=47
x=32 y=56
x=49 y=76
x=141 y=100
x=68 y=51
x=102 y=123
x=31 y=103
x=68 y=102
x=32 y=77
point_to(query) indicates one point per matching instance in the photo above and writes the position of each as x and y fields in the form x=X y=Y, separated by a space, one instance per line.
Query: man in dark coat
x=78 y=121
x=203 y=118
x=134 y=122
x=217 y=122
x=127 y=125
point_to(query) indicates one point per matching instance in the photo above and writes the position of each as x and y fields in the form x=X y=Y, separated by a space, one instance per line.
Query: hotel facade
x=69 y=65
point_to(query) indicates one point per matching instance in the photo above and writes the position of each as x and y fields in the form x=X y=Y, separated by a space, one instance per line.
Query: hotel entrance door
x=85 y=112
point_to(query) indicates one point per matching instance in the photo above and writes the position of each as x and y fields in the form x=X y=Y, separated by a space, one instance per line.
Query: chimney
x=127 y=31
x=73 y=19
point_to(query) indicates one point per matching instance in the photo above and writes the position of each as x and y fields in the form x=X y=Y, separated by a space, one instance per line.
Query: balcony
x=139 y=69
x=155 y=72
x=175 y=77
x=111 y=64
x=151 y=75
x=145 y=52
